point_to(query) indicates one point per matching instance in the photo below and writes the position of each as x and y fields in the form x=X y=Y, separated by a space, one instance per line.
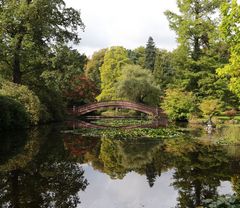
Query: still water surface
x=46 y=168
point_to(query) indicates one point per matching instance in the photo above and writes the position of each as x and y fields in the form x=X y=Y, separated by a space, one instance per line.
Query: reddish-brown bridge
x=84 y=109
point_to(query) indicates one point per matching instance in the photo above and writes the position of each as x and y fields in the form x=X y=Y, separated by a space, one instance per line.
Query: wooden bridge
x=84 y=109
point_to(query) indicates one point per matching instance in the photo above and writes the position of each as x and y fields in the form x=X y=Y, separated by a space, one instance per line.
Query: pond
x=55 y=166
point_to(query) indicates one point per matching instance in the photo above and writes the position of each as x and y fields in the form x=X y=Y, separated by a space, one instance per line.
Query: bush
x=12 y=114
x=231 y=113
x=179 y=105
x=25 y=97
x=210 y=107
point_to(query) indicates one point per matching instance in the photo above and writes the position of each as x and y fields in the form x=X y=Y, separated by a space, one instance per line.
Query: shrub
x=179 y=105
x=210 y=107
x=25 y=97
x=231 y=113
x=12 y=114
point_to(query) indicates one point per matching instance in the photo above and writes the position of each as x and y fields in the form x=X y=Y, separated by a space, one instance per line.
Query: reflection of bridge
x=75 y=124
x=153 y=111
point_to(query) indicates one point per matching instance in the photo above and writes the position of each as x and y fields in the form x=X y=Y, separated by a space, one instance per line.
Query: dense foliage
x=179 y=105
x=30 y=29
x=114 y=59
x=210 y=107
x=138 y=85
x=13 y=114
x=230 y=31
x=23 y=96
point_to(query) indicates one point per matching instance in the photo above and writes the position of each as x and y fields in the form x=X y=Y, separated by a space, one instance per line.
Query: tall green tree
x=230 y=32
x=93 y=67
x=195 y=25
x=115 y=58
x=137 y=56
x=29 y=28
x=201 y=50
x=150 y=54
x=163 y=69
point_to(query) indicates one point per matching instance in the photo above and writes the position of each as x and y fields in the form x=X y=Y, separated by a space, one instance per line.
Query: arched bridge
x=84 y=109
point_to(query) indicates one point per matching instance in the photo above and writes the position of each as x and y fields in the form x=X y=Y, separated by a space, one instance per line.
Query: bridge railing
x=113 y=103
x=119 y=104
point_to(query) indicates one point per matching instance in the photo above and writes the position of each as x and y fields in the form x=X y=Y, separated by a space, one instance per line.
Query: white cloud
x=127 y=22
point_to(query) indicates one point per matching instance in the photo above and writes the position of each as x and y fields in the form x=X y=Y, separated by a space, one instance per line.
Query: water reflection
x=198 y=168
x=77 y=124
x=43 y=168
x=43 y=174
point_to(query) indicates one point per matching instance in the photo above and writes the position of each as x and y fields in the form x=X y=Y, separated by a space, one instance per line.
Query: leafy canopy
x=28 y=30
x=138 y=85
x=178 y=104
x=115 y=58
x=230 y=31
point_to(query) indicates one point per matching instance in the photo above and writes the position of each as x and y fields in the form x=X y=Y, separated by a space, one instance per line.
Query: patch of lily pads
x=128 y=133
x=121 y=122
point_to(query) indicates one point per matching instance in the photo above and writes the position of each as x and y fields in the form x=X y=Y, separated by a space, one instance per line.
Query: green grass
x=224 y=118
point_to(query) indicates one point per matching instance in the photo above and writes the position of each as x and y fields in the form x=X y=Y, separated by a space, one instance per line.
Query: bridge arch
x=84 y=109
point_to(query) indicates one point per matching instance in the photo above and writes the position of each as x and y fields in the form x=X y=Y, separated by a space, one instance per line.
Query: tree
x=137 y=56
x=138 y=85
x=80 y=90
x=150 y=54
x=230 y=32
x=178 y=104
x=163 y=69
x=94 y=65
x=200 y=50
x=210 y=107
x=195 y=25
x=51 y=81
x=65 y=63
x=114 y=59
x=28 y=28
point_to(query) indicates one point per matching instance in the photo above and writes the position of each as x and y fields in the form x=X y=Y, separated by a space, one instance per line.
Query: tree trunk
x=17 y=61
x=196 y=50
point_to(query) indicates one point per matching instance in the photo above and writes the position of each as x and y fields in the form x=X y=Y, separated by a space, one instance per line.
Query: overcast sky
x=128 y=23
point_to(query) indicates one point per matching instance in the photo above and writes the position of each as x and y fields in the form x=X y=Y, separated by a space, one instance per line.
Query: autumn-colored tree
x=81 y=90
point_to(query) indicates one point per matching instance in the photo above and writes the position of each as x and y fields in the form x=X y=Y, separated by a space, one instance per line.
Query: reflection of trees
x=54 y=186
x=50 y=179
x=122 y=156
x=18 y=149
x=199 y=170
x=230 y=134
x=236 y=184
x=199 y=166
